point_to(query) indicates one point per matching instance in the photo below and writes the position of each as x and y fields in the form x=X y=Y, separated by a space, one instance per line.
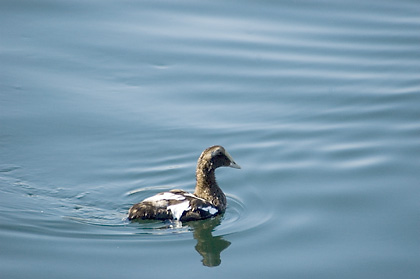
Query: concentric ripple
x=239 y=217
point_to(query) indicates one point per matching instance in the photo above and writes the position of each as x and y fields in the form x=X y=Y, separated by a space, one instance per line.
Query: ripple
x=96 y=213
x=6 y=168
x=239 y=217
x=80 y=218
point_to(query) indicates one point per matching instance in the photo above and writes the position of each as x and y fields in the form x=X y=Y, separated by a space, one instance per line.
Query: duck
x=208 y=199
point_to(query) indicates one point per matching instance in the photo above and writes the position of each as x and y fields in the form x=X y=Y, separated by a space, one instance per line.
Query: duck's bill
x=232 y=164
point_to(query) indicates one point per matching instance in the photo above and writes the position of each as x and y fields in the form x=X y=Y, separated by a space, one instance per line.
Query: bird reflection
x=208 y=246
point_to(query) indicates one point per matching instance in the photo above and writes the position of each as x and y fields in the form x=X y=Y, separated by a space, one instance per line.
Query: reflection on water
x=209 y=246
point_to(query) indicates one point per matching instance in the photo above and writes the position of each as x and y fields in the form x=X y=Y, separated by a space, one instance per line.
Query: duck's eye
x=216 y=153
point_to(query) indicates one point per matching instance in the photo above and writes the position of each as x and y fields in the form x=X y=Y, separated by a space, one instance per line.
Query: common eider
x=207 y=200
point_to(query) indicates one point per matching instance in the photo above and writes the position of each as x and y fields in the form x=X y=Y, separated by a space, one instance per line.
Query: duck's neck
x=207 y=188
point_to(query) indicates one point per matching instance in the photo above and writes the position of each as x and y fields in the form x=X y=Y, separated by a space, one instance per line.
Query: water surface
x=103 y=103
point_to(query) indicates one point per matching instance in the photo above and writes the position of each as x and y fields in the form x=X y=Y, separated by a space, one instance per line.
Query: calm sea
x=104 y=103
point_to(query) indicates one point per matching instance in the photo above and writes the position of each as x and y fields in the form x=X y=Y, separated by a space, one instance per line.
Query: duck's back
x=175 y=204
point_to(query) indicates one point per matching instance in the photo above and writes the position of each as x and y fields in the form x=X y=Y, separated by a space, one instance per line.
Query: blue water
x=104 y=103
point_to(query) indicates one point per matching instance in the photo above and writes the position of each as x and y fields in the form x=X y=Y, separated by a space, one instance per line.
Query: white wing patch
x=163 y=199
x=193 y=196
x=178 y=209
x=210 y=209
x=165 y=196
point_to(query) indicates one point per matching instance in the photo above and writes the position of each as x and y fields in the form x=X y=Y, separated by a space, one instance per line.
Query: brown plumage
x=208 y=199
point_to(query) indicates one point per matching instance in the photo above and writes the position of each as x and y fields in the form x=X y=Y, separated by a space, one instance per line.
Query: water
x=103 y=103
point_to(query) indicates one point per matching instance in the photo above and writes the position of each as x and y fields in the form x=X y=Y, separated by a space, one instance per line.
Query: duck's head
x=216 y=156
